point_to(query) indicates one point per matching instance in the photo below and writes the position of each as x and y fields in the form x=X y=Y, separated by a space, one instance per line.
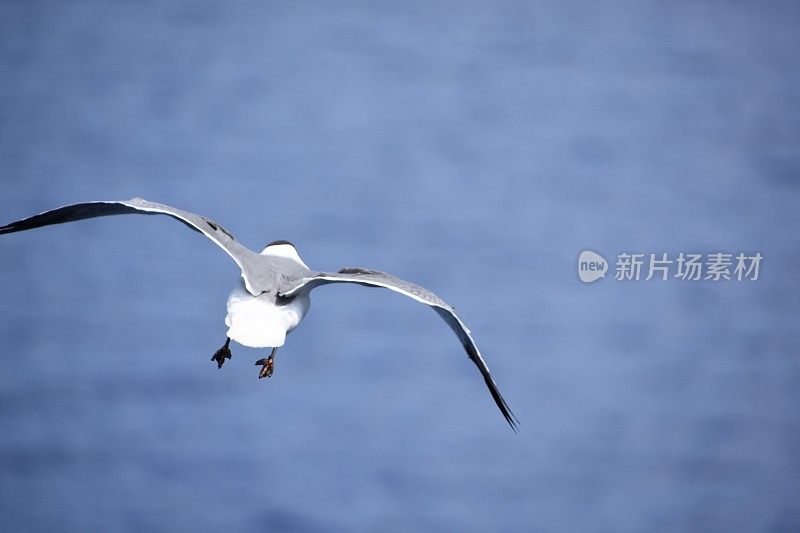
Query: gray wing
x=374 y=278
x=254 y=279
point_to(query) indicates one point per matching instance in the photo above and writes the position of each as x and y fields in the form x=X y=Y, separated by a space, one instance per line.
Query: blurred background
x=475 y=148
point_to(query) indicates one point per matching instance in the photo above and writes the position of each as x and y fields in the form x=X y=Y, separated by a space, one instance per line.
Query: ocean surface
x=475 y=148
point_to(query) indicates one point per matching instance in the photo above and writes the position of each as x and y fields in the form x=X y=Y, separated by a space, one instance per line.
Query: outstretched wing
x=374 y=278
x=246 y=259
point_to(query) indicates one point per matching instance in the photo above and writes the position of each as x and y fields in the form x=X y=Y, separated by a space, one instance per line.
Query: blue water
x=475 y=148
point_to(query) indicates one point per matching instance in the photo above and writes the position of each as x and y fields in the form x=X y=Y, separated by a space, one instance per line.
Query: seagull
x=273 y=295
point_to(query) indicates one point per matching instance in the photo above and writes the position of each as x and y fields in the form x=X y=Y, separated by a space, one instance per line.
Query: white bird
x=273 y=296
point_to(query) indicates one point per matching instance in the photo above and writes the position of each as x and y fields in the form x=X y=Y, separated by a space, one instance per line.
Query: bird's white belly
x=258 y=322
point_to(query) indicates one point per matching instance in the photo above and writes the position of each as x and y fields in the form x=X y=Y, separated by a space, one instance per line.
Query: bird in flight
x=274 y=293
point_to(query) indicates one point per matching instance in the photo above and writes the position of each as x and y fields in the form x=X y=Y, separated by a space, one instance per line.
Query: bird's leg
x=267 y=365
x=222 y=354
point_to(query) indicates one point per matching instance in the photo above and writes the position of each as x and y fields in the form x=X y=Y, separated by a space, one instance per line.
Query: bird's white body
x=260 y=321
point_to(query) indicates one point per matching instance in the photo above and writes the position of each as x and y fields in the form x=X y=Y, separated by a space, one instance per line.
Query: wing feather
x=254 y=278
x=374 y=278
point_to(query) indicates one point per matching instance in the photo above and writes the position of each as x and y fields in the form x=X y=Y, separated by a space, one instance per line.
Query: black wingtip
x=508 y=414
x=513 y=423
x=512 y=420
x=514 y=427
x=12 y=227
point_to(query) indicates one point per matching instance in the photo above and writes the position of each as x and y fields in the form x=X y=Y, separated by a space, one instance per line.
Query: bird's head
x=283 y=249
